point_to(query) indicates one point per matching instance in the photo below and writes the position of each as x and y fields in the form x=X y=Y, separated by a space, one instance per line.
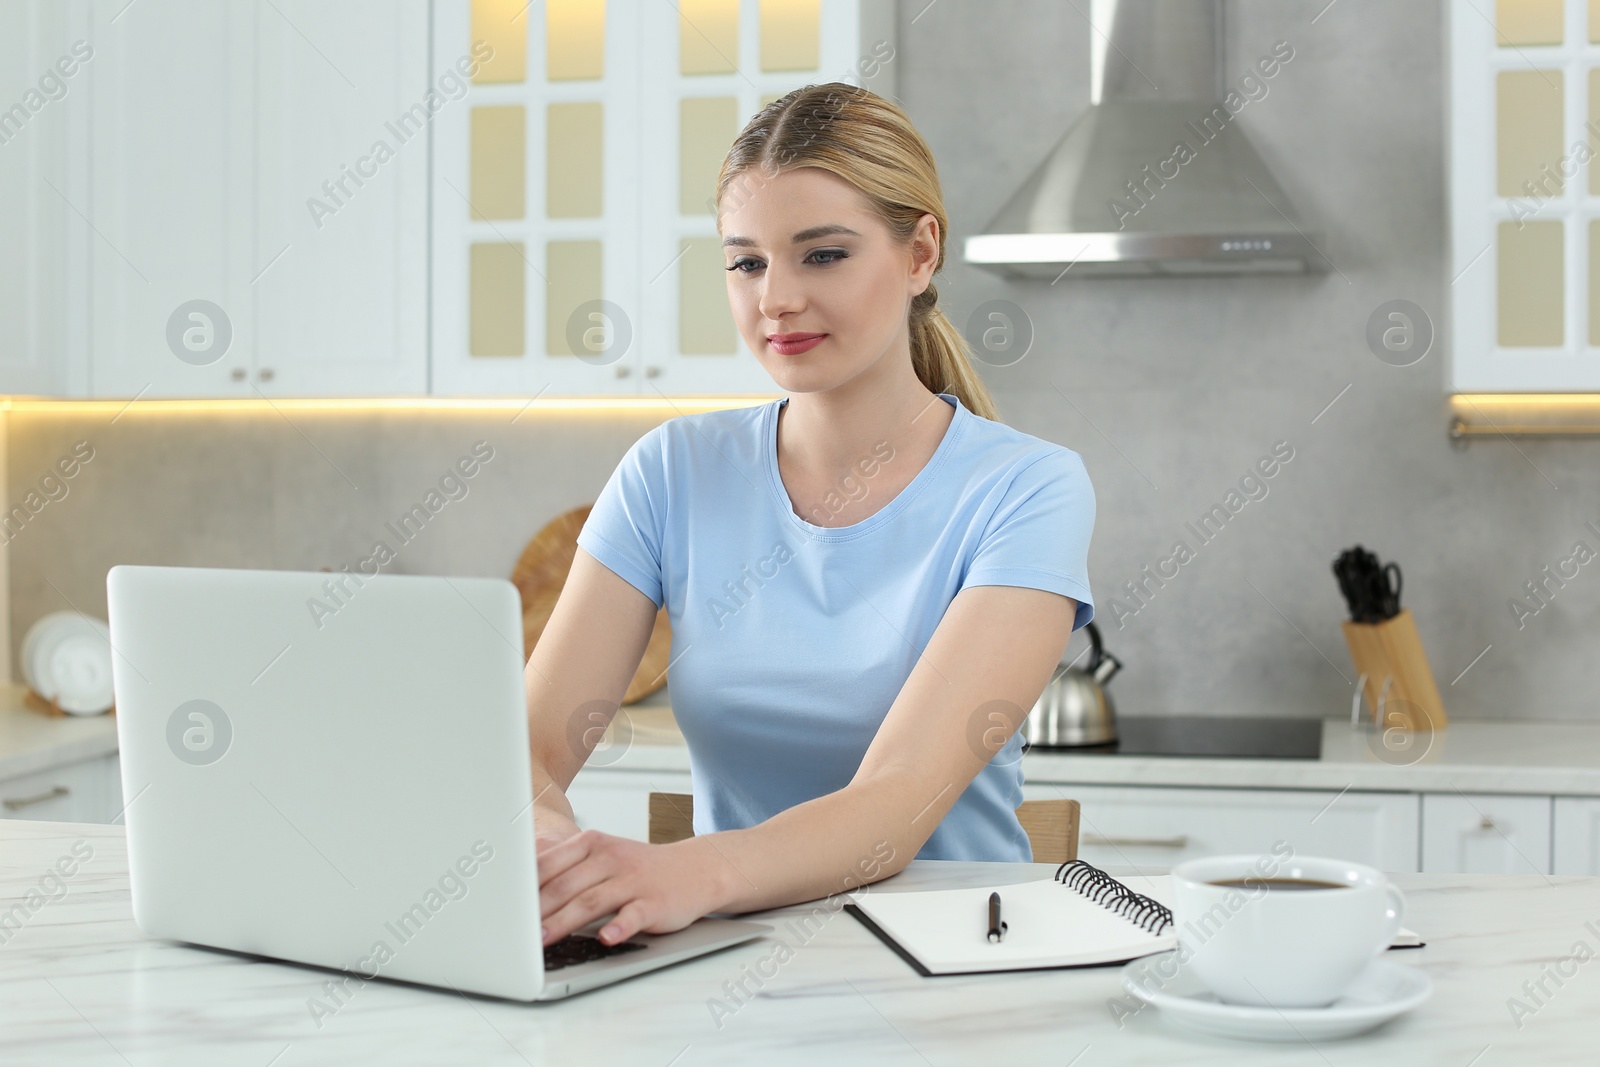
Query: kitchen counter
x=1558 y=758
x=84 y=986
x=33 y=741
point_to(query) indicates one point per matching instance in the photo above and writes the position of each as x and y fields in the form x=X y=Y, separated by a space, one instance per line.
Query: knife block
x=1390 y=652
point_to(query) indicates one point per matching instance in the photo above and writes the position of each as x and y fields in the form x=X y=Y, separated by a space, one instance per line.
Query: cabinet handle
x=652 y=372
x=17 y=803
x=265 y=374
x=1486 y=823
x=237 y=374
x=622 y=372
x=1181 y=841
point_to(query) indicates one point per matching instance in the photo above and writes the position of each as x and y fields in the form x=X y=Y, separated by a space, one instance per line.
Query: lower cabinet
x=87 y=791
x=618 y=801
x=1485 y=833
x=1154 y=827
x=1575 y=836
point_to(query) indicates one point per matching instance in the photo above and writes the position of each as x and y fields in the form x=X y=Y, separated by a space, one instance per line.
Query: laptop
x=333 y=769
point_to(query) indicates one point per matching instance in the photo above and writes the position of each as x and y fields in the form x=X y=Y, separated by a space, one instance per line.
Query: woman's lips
x=794 y=348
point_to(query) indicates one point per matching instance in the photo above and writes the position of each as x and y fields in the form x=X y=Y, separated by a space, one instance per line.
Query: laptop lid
x=325 y=768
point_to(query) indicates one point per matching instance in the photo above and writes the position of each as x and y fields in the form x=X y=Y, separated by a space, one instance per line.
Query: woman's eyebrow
x=803 y=235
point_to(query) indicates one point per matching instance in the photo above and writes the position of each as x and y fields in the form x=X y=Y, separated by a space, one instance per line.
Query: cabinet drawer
x=77 y=792
x=618 y=802
x=1485 y=833
x=1155 y=828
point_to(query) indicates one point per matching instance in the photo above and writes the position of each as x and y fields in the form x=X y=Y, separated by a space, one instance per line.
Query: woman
x=870 y=581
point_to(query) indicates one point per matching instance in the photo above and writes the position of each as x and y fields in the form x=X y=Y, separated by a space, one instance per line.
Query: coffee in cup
x=1277 y=883
x=1286 y=932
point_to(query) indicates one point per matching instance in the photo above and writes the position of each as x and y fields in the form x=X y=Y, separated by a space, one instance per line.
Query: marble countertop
x=33 y=741
x=82 y=985
x=1485 y=757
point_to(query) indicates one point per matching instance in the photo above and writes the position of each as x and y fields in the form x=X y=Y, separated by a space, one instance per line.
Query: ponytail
x=941 y=357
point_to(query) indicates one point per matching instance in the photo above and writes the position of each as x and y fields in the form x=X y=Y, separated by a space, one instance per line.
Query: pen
x=997 y=929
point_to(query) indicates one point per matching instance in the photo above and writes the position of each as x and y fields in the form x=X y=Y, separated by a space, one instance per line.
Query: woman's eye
x=833 y=254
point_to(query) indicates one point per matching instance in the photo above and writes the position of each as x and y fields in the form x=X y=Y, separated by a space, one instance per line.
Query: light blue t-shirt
x=790 y=640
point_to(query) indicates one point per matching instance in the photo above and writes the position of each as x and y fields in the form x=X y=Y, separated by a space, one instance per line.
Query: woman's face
x=854 y=287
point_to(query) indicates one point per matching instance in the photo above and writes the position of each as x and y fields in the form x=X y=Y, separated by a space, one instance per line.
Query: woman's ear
x=924 y=252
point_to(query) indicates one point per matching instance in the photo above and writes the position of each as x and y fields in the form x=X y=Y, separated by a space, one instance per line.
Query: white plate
x=1379 y=993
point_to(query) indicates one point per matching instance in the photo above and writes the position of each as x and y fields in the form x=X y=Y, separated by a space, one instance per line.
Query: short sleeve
x=624 y=528
x=1038 y=536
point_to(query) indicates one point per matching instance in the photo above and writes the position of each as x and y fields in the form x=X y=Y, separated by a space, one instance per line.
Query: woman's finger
x=595 y=868
x=600 y=899
x=634 y=916
x=562 y=855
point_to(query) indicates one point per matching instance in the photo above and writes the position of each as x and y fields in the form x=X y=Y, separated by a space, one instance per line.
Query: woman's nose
x=780 y=294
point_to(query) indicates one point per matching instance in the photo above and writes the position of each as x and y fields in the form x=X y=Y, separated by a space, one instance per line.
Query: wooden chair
x=1051 y=825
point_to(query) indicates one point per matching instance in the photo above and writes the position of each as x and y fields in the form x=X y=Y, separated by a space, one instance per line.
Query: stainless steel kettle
x=1075 y=710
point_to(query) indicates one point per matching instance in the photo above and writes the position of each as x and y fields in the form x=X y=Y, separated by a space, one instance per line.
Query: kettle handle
x=1103 y=676
x=1097 y=648
x=1102 y=664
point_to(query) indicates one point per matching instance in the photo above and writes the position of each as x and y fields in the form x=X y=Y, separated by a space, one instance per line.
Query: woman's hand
x=550 y=827
x=655 y=889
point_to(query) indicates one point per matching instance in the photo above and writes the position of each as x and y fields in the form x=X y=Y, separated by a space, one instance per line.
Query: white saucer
x=1378 y=994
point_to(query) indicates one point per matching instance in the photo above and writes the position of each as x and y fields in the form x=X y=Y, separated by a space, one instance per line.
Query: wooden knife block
x=1391 y=651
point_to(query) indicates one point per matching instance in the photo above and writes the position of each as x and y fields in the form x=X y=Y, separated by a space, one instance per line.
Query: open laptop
x=334 y=770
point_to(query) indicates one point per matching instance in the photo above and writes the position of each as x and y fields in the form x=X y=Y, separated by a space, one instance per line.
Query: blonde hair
x=869 y=142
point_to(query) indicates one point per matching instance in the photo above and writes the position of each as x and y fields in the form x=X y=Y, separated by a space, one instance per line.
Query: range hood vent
x=1155 y=177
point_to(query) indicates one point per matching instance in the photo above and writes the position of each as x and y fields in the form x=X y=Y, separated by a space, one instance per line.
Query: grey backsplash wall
x=1170 y=389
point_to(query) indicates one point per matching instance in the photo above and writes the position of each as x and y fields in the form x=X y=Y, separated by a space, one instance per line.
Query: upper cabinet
x=1524 y=122
x=340 y=265
x=575 y=245
x=45 y=58
x=170 y=167
x=259 y=198
x=232 y=198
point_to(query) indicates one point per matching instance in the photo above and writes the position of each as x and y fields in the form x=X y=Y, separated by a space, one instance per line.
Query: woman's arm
x=576 y=678
x=974 y=684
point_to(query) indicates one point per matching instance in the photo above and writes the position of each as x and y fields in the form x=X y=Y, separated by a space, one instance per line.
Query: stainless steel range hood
x=1156 y=177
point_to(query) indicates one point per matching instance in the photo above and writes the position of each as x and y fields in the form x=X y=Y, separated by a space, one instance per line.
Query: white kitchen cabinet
x=1156 y=828
x=340 y=279
x=171 y=164
x=214 y=129
x=1485 y=833
x=574 y=248
x=618 y=801
x=1575 y=836
x=44 y=92
x=85 y=791
x=1524 y=288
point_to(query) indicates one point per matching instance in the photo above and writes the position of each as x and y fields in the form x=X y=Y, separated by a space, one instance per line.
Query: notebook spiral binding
x=1103 y=889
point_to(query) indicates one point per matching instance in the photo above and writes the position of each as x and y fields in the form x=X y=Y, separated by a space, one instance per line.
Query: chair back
x=1051 y=825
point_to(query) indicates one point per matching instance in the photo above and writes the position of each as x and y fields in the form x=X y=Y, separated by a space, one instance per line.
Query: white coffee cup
x=1270 y=942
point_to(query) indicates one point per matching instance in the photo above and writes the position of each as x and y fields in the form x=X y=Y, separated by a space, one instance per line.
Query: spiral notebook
x=1081 y=917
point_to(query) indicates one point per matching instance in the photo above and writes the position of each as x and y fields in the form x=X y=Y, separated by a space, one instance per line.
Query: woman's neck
x=823 y=437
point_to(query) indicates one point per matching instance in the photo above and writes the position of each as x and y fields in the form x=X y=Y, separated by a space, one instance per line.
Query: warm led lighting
x=1525 y=414
x=1538 y=399
x=599 y=404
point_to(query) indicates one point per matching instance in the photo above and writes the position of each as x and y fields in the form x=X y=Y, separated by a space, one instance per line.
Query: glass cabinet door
x=575 y=249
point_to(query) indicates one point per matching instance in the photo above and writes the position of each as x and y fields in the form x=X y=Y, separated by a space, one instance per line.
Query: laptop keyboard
x=581 y=948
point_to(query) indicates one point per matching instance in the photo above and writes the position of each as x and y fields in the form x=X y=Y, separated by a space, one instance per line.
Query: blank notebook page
x=1049 y=924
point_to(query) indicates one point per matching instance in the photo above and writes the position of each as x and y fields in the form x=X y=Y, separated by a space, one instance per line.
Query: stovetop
x=1218 y=736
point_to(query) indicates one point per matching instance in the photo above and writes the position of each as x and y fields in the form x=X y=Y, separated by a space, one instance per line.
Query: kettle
x=1074 y=709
